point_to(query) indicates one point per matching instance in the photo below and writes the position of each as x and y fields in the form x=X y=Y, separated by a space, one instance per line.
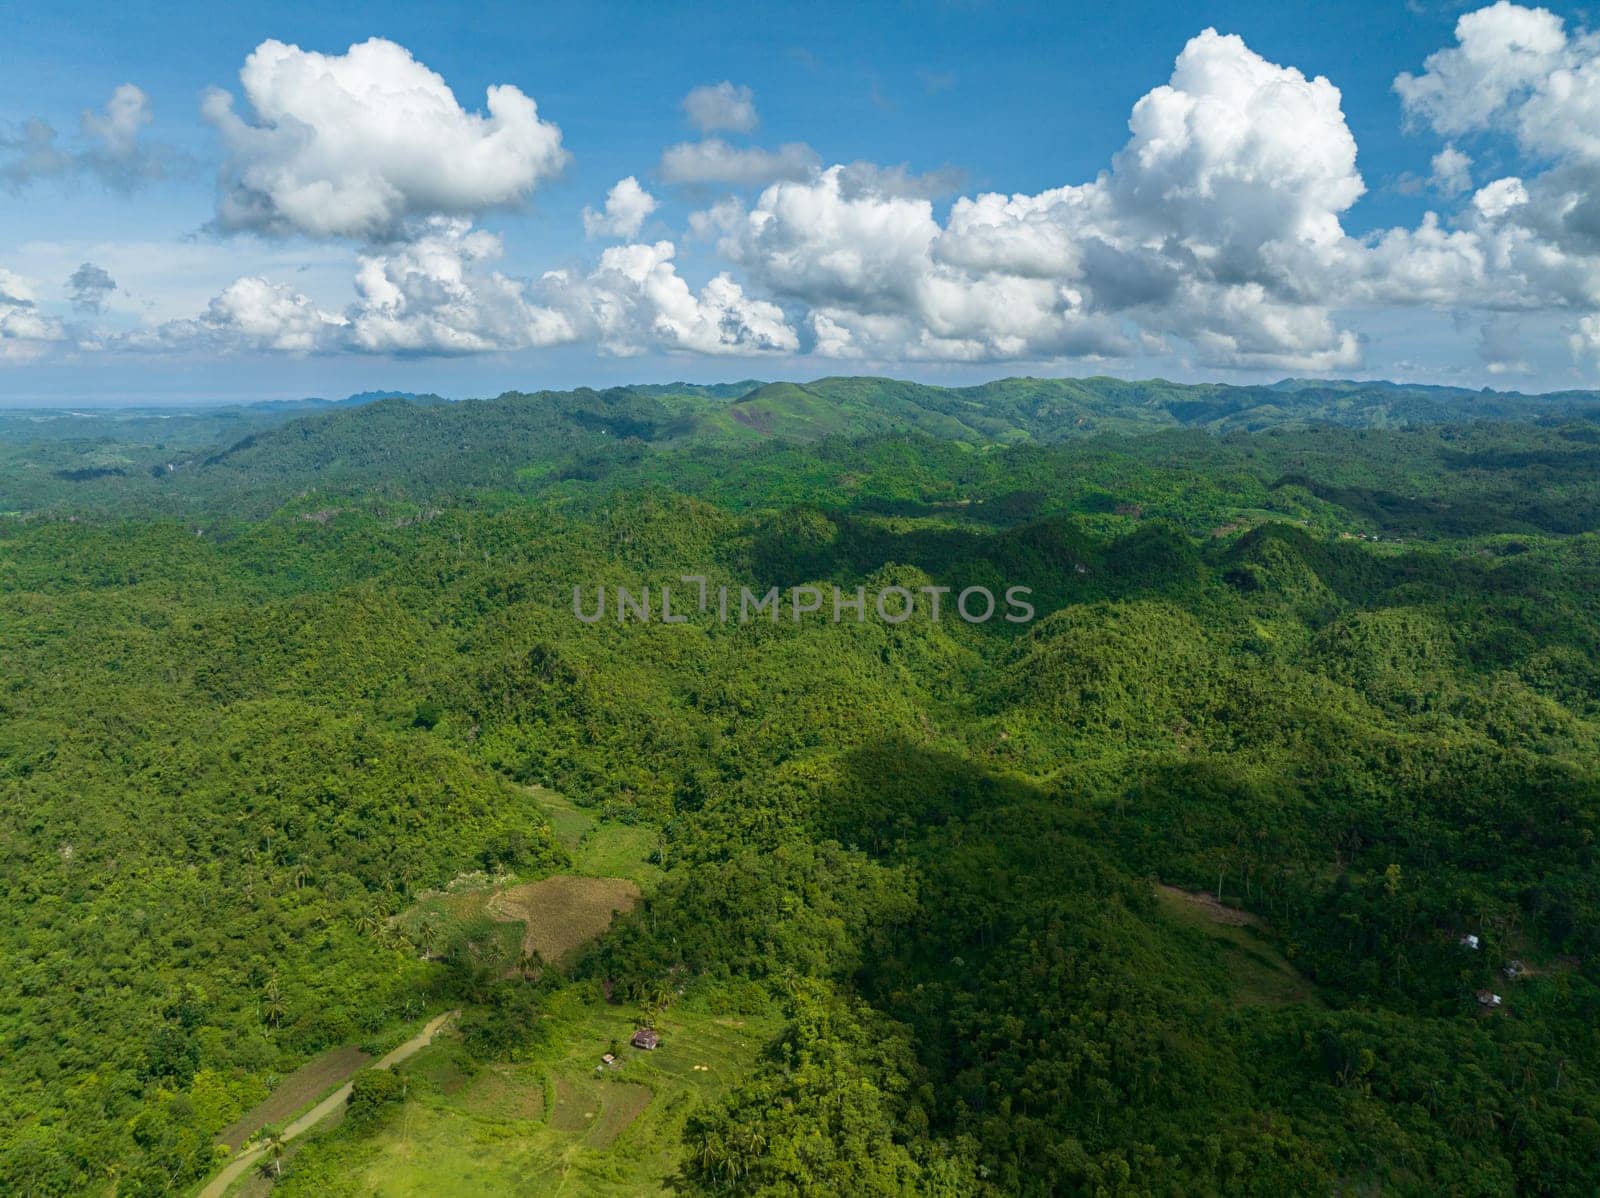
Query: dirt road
x=218 y=1185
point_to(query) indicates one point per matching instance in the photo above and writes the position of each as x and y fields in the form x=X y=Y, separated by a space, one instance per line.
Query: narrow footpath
x=235 y=1168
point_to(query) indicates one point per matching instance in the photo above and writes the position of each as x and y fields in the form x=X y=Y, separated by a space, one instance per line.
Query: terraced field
x=561 y=1123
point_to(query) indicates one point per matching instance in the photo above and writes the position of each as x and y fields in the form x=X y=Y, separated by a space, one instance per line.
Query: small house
x=608 y=1059
x=1469 y=941
x=1514 y=969
x=1488 y=998
x=646 y=1037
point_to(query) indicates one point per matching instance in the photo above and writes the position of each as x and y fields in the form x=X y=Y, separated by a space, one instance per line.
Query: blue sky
x=1204 y=252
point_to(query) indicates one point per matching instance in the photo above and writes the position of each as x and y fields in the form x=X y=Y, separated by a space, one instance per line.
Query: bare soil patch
x=760 y=421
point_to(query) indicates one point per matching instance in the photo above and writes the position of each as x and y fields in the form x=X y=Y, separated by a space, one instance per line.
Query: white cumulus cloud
x=270 y=316
x=250 y=314
x=439 y=295
x=627 y=206
x=1452 y=172
x=1214 y=224
x=1216 y=235
x=353 y=144
x=1502 y=55
x=636 y=300
x=1521 y=242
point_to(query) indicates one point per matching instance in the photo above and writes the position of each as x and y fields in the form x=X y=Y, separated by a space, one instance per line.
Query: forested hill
x=247 y=460
x=1205 y=881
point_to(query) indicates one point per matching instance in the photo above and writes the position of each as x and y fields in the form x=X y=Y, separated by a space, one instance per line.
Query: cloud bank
x=1216 y=235
x=25 y=333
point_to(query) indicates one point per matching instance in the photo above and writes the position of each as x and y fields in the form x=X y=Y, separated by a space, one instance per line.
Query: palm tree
x=273 y=1142
x=653 y=1003
x=430 y=935
x=272 y=1009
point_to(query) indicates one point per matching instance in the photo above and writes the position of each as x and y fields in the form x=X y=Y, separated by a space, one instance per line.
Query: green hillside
x=1161 y=892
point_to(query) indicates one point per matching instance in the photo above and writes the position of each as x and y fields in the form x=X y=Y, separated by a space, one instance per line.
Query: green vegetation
x=555 y=1120
x=1161 y=893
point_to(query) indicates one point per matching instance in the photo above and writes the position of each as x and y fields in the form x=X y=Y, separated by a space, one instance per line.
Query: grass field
x=558 y=1124
x=1261 y=975
x=599 y=848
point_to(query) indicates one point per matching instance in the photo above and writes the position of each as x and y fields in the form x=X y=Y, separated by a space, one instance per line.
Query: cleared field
x=568 y=1113
x=599 y=848
x=498 y=1093
x=556 y=1124
x=1260 y=974
x=621 y=1103
x=567 y=820
x=556 y=915
x=560 y=914
x=1208 y=907
x=298 y=1089
x=619 y=850
x=611 y=870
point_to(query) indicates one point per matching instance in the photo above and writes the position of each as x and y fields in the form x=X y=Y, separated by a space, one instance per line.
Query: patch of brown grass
x=559 y=914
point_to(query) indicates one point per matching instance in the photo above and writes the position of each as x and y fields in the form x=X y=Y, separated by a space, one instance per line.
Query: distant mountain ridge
x=1049 y=409
x=423 y=443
